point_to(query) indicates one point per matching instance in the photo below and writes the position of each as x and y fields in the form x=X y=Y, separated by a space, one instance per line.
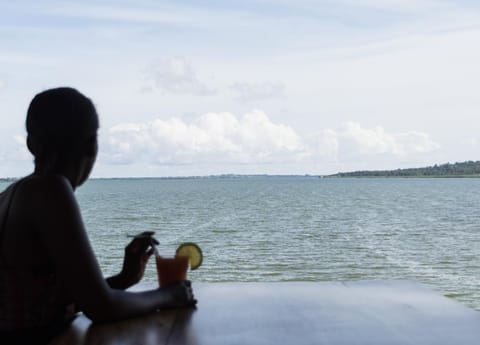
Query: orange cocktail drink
x=171 y=269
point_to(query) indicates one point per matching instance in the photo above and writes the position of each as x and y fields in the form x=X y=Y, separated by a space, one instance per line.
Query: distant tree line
x=462 y=169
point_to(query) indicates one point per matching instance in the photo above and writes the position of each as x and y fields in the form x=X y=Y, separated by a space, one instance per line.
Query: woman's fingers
x=182 y=294
x=141 y=244
x=146 y=256
x=190 y=299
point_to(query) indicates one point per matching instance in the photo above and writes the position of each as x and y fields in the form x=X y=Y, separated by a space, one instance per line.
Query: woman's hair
x=60 y=121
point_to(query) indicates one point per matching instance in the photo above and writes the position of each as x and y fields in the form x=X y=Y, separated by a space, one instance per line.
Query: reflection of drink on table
x=171 y=270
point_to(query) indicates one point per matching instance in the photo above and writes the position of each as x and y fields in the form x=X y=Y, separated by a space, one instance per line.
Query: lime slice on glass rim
x=193 y=252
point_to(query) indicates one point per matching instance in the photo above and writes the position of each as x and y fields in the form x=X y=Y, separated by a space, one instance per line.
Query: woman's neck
x=65 y=170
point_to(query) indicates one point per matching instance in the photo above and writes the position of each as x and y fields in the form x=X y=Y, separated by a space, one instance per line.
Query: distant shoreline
x=219 y=177
x=469 y=169
x=406 y=177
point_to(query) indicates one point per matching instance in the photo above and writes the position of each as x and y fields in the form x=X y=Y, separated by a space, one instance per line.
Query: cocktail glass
x=171 y=269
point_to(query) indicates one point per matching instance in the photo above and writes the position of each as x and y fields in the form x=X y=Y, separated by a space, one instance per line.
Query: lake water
x=298 y=228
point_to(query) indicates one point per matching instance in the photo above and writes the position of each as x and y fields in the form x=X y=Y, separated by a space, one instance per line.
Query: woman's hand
x=180 y=295
x=135 y=260
x=136 y=257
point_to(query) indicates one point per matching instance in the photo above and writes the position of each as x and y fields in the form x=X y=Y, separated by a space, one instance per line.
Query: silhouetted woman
x=48 y=270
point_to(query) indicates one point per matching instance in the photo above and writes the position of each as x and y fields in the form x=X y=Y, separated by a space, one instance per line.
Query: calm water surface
x=302 y=229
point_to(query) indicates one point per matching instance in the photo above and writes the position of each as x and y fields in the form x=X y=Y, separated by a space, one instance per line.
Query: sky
x=194 y=87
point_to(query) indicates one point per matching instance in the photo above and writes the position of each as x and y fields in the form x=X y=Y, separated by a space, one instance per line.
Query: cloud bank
x=212 y=138
x=254 y=138
x=378 y=141
x=224 y=142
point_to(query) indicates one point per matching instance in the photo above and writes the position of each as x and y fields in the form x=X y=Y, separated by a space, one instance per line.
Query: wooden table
x=363 y=312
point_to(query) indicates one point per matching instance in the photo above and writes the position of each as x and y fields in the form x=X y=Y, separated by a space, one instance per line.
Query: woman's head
x=62 y=128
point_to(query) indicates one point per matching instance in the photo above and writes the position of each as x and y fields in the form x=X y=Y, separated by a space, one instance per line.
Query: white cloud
x=175 y=75
x=378 y=141
x=223 y=139
x=352 y=144
x=216 y=143
x=21 y=152
x=212 y=138
x=258 y=91
x=15 y=160
x=327 y=145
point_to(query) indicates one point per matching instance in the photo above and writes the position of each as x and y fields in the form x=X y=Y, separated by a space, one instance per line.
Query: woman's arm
x=57 y=218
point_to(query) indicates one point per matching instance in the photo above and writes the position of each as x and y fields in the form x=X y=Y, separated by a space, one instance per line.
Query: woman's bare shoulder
x=40 y=192
x=45 y=184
